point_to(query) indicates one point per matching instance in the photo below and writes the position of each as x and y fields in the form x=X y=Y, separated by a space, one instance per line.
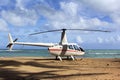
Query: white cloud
x=69 y=17
x=90 y=14
x=20 y=18
x=15 y=13
x=110 y=8
x=118 y=38
x=70 y=8
x=79 y=39
x=3 y=25
x=109 y=39
x=100 y=40
x=20 y=4
x=107 y=6
x=116 y=18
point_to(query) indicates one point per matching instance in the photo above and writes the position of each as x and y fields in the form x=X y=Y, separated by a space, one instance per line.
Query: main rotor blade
x=69 y=29
x=45 y=32
x=90 y=30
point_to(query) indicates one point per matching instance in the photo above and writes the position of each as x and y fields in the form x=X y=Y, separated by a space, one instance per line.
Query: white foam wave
x=10 y=50
x=104 y=53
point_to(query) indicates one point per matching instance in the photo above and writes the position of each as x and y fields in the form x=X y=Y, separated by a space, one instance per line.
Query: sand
x=49 y=69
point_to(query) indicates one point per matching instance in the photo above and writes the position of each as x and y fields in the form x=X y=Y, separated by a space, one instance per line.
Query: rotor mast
x=63 y=37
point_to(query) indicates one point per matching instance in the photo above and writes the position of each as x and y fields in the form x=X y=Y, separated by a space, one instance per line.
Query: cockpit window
x=76 y=47
x=70 y=47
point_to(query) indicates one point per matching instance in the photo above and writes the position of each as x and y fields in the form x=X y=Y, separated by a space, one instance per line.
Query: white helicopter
x=62 y=49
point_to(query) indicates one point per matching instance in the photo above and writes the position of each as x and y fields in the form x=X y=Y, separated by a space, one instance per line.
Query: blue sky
x=22 y=17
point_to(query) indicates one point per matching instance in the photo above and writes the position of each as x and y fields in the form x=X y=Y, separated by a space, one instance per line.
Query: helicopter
x=62 y=49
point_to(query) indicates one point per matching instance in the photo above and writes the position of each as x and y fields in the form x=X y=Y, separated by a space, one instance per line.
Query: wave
x=10 y=51
x=105 y=53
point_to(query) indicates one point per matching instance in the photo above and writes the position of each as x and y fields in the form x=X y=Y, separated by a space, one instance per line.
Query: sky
x=23 y=17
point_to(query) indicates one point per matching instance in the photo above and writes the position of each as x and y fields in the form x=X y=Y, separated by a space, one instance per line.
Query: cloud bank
x=34 y=15
x=69 y=14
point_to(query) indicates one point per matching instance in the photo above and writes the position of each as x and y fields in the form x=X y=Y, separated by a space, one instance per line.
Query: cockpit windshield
x=81 y=49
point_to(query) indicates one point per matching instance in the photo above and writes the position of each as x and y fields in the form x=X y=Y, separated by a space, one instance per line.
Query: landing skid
x=68 y=57
x=58 y=57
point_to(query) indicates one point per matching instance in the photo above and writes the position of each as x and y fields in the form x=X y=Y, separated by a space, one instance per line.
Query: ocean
x=89 y=53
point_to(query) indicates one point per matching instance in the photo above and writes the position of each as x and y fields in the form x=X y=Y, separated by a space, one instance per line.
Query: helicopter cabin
x=66 y=49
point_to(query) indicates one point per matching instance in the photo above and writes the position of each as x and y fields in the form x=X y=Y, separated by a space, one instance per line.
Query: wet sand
x=50 y=69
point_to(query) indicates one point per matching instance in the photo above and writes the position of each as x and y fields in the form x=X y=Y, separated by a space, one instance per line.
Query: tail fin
x=10 y=38
x=10 y=45
x=11 y=42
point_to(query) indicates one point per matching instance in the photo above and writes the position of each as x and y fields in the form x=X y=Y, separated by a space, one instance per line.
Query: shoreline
x=41 y=68
x=53 y=57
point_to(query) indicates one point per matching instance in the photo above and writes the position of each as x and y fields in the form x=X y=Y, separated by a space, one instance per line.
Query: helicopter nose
x=82 y=53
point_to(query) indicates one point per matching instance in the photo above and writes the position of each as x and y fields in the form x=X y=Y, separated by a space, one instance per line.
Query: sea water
x=102 y=53
x=89 y=53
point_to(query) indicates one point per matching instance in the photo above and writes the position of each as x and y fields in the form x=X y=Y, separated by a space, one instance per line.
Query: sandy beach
x=33 y=68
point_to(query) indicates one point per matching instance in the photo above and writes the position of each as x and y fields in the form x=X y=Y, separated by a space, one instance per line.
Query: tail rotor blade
x=8 y=45
x=15 y=40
